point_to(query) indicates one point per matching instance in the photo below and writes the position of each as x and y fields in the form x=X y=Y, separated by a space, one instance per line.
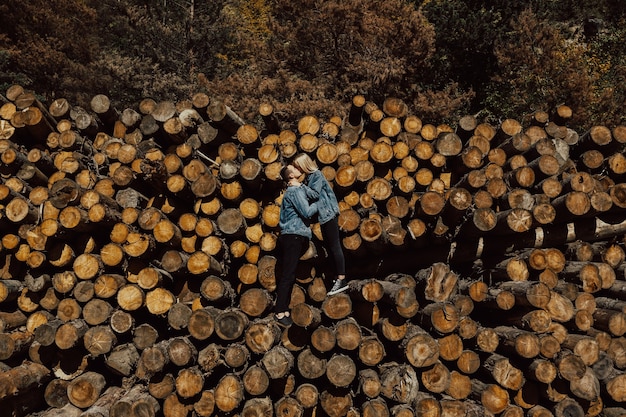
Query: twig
x=200 y=154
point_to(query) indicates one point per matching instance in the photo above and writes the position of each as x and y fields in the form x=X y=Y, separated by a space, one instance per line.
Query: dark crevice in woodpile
x=137 y=264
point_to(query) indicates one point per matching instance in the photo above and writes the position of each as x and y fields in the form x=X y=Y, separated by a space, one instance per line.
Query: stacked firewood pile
x=137 y=264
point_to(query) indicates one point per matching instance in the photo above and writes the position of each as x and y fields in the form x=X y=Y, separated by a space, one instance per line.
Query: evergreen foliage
x=444 y=58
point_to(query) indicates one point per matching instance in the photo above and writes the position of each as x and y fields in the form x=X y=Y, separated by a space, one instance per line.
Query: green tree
x=153 y=49
x=466 y=32
x=314 y=56
x=606 y=58
x=444 y=58
x=50 y=50
x=540 y=68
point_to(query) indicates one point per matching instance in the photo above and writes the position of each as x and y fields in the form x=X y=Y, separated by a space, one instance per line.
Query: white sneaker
x=339 y=285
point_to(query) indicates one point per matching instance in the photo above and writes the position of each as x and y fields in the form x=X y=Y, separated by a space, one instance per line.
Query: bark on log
x=18 y=380
x=102 y=406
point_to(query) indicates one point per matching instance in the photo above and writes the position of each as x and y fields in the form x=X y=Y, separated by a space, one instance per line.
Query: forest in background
x=494 y=59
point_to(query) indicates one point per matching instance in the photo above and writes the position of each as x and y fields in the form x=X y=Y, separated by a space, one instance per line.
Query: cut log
x=494 y=398
x=84 y=390
x=21 y=378
x=189 y=382
x=104 y=403
x=67 y=410
x=136 y=402
x=504 y=373
x=443 y=317
x=230 y=324
x=420 y=348
x=123 y=359
x=99 y=340
x=519 y=342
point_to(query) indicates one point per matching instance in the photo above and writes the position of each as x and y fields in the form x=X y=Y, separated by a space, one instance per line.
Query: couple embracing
x=301 y=201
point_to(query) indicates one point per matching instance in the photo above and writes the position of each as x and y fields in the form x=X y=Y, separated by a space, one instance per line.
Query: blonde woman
x=328 y=210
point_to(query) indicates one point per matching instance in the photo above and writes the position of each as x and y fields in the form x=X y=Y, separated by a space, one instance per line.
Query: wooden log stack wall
x=137 y=264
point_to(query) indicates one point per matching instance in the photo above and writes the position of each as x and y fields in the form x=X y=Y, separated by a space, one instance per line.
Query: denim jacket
x=328 y=207
x=296 y=211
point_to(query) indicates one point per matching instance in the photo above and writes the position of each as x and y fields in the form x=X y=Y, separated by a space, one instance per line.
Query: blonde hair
x=304 y=163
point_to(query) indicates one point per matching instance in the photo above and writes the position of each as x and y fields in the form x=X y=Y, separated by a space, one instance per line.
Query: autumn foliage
x=444 y=58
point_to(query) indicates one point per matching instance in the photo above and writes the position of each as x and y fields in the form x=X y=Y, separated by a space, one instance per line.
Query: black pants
x=332 y=241
x=290 y=249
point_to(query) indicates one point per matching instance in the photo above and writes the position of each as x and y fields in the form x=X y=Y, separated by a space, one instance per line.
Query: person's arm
x=311 y=194
x=316 y=180
x=302 y=204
